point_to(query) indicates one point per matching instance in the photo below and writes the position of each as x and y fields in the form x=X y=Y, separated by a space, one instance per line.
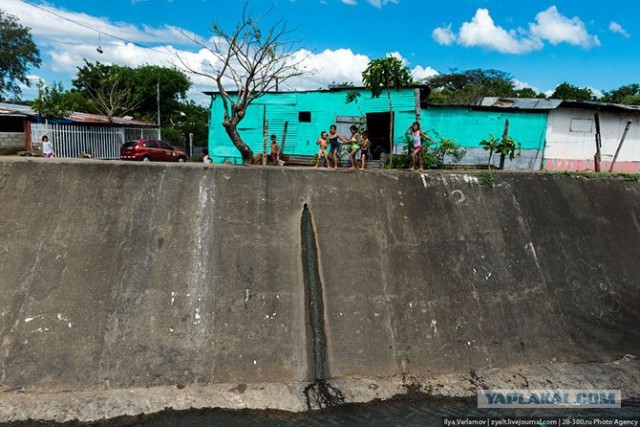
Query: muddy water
x=405 y=412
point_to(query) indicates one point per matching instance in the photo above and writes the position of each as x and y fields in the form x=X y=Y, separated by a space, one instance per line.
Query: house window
x=581 y=125
x=304 y=116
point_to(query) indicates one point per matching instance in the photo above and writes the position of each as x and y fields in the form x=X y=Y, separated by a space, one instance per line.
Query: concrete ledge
x=95 y=405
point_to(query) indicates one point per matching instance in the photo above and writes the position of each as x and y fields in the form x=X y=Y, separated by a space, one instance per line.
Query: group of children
x=361 y=143
x=332 y=141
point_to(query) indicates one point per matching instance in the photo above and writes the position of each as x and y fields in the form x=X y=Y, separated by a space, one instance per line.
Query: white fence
x=101 y=142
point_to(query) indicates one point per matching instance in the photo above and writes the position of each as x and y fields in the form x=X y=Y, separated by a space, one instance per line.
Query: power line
x=154 y=48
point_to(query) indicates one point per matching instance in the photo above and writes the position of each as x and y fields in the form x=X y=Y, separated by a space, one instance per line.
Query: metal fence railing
x=101 y=142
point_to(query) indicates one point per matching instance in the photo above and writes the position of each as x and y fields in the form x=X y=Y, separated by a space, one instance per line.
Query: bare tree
x=252 y=60
x=112 y=97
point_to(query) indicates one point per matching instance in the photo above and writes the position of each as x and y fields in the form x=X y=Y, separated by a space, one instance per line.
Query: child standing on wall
x=322 y=143
x=364 y=149
x=206 y=158
x=275 y=149
x=355 y=145
x=334 y=142
x=47 y=147
x=416 y=137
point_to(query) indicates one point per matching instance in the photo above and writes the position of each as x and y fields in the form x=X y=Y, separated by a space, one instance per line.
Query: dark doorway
x=378 y=127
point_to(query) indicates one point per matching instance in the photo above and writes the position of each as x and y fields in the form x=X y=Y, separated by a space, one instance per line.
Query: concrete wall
x=165 y=275
x=570 y=142
x=11 y=142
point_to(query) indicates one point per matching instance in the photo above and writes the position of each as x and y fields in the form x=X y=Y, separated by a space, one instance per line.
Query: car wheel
x=146 y=159
x=181 y=160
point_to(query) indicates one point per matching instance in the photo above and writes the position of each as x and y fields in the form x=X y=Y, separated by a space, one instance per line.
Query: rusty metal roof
x=18 y=110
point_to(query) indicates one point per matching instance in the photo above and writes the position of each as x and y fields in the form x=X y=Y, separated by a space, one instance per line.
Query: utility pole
x=158 y=102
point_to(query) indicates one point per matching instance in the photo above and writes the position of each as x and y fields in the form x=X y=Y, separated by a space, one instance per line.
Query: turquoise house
x=468 y=125
x=311 y=112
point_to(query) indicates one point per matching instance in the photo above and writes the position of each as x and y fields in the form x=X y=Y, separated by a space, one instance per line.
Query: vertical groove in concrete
x=320 y=392
x=313 y=291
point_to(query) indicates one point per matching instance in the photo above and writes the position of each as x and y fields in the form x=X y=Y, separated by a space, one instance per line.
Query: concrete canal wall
x=128 y=287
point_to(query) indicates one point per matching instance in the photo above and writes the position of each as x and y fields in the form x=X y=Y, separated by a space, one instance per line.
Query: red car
x=151 y=150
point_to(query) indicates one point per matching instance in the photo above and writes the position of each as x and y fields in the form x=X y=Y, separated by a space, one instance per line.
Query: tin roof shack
x=14 y=128
x=310 y=112
x=21 y=130
x=571 y=137
x=470 y=124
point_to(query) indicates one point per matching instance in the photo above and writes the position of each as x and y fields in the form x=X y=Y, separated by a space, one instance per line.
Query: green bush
x=434 y=155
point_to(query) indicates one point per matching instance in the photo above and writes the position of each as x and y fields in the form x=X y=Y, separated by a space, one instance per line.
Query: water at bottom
x=404 y=412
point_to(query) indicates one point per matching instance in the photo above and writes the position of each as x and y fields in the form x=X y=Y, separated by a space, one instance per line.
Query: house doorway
x=378 y=125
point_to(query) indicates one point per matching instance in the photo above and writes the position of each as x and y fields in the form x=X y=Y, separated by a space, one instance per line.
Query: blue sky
x=541 y=43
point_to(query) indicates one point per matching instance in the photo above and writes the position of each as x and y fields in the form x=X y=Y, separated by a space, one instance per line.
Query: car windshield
x=129 y=144
x=165 y=146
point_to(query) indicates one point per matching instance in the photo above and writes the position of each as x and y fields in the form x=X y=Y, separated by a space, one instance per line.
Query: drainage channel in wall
x=320 y=393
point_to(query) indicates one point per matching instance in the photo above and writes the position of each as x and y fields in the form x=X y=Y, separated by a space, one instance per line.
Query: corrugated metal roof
x=103 y=120
x=550 y=104
x=7 y=109
x=519 y=103
x=600 y=106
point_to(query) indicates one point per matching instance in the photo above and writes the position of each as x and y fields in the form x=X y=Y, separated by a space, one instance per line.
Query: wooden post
x=597 y=157
x=26 y=127
x=624 y=136
x=265 y=131
x=416 y=100
x=505 y=134
x=284 y=138
x=391 y=123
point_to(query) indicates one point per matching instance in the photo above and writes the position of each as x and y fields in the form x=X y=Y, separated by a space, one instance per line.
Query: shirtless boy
x=322 y=143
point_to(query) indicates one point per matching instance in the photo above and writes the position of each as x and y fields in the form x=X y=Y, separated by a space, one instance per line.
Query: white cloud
x=375 y=3
x=397 y=55
x=483 y=32
x=614 y=27
x=51 y=23
x=421 y=73
x=556 y=28
x=550 y=25
x=380 y=3
x=444 y=35
x=341 y=65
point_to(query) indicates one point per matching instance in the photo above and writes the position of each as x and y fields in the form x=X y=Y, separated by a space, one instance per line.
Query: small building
x=15 y=128
x=310 y=112
x=571 y=137
x=470 y=124
x=21 y=130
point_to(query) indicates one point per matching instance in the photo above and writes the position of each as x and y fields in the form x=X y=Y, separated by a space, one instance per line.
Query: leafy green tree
x=466 y=87
x=574 y=93
x=527 y=92
x=52 y=102
x=173 y=85
x=109 y=88
x=341 y=85
x=629 y=94
x=18 y=53
x=383 y=75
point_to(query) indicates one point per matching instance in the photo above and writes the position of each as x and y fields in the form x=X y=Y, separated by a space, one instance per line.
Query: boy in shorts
x=322 y=143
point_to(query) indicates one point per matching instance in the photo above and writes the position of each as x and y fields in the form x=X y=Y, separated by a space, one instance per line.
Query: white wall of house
x=570 y=140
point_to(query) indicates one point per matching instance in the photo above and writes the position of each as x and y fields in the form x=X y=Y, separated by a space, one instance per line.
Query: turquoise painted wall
x=324 y=106
x=468 y=127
